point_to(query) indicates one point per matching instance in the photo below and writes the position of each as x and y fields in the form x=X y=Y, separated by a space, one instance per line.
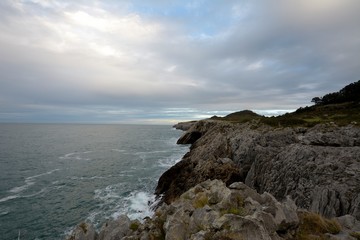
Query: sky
x=164 y=61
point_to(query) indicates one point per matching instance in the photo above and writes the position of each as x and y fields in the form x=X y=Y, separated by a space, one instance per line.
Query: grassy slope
x=341 y=114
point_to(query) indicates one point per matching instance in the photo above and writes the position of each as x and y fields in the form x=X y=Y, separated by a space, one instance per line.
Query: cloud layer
x=156 y=61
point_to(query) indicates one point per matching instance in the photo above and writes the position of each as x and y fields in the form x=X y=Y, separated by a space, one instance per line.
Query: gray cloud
x=101 y=61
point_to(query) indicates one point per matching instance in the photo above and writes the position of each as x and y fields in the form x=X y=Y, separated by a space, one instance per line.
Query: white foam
x=118 y=150
x=140 y=205
x=29 y=181
x=89 y=178
x=107 y=194
x=22 y=188
x=171 y=161
x=42 y=174
x=35 y=194
x=76 y=156
x=5 y=199
x=4 y=211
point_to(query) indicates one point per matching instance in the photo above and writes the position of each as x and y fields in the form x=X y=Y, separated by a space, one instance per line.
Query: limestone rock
x=115 y=229
x=237 y=212
x=318 y=167
x=83 y=231
x=184 y=125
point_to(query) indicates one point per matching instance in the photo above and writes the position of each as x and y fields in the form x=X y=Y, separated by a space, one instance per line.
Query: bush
x=314 y=226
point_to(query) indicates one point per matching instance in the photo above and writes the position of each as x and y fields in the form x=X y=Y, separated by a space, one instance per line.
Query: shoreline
x=243 y=150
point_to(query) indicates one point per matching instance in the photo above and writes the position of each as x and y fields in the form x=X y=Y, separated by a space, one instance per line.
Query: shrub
x=314 y=226
x=233 y=210
x=355 y=235
x=134 y=225
x=200 y=201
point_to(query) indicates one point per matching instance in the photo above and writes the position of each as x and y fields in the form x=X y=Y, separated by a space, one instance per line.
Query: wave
x=5 y=199
x=118 y=150
x=140 y=205
x=76 y=156
x=90 y=178
x=4 y=211
x=35 y=194
x=108 y=194
x=29 y=181
x=172 y=160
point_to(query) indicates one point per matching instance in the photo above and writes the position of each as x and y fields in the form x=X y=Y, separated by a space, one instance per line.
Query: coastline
x=257 y=155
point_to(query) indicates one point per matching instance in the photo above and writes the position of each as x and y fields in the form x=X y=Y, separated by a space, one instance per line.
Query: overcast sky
x=158 y=61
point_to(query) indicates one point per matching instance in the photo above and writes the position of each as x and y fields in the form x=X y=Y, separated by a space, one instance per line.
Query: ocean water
x=52 y=176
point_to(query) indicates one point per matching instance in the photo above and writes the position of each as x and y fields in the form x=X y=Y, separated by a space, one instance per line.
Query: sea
x=53 y=176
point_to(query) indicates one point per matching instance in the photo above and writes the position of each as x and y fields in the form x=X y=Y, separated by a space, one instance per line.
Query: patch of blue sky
x=201 y=18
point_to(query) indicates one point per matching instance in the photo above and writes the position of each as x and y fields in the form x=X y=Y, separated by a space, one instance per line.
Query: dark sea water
x=52 y=176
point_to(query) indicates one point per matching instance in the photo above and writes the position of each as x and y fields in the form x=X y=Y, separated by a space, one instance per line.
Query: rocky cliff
x=212 y=211
x=253 y=181
x=318 y=167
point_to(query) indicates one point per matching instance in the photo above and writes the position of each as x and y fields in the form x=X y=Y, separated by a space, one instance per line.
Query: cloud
x=98 y=60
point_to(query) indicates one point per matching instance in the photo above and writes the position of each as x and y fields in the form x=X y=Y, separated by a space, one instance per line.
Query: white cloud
x=159 y=54
x=255 y=66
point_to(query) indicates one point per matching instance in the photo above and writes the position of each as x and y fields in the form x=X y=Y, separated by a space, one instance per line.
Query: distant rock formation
x=184 y=125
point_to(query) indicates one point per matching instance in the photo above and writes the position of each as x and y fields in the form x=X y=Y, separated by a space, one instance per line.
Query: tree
x=316 y=100
x=350 y=93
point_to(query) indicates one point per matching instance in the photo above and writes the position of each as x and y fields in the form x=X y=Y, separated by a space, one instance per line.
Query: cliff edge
x=318 y=167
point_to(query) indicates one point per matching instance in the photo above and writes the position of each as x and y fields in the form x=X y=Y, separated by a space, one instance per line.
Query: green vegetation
x=233 y=210
x=240 y=117
x=314 y=226
x=134 y=225
x=355 y=235
x=200 y=201
x=341 y=108
x=350 y=93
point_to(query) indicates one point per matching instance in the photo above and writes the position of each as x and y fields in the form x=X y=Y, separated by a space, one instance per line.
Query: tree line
x=350 y=93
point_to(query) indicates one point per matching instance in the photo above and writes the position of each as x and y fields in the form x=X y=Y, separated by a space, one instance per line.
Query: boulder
x=83 y=231
x=115 y=229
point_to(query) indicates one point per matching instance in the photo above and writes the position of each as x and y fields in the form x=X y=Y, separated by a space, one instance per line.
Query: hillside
x=341 y=107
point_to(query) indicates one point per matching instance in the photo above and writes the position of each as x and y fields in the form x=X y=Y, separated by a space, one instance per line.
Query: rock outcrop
x=318 y=167
x=210 y=210
x=184 y=125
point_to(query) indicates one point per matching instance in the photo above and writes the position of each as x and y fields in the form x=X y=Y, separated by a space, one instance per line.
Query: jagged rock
x=238 y=212
x=186 y=174
x=115 y=229
x=318 y=167
x=83 y=231
x=184 y=125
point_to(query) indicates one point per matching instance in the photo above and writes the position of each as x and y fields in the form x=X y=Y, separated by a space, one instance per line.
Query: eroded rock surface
x=318 y=167
x=212 y=211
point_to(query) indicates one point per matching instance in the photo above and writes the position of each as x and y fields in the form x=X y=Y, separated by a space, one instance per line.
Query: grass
x=134 y=226
x=200 y=200
x=314 y=226
x=233 y=210
x=341 y=114
x=355 y=235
